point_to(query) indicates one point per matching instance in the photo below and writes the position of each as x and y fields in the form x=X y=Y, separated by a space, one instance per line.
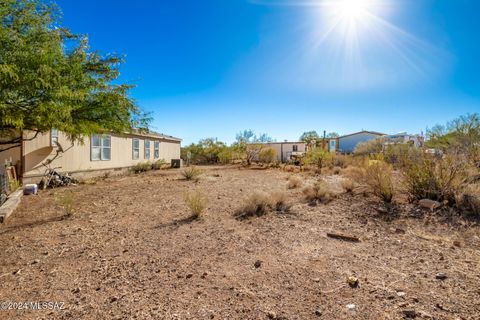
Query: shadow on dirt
x=177 y=223
x=33 y=224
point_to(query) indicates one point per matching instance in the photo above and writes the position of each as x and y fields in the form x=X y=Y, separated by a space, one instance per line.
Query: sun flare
x=350 y=10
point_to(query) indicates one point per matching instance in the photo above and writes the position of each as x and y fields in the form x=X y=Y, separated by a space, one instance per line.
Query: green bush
x=142 y=167
x=318 y=157
x=373 y=146
x=225 y=156
x=427 y=177
x=159 y=164
x=379 y=177
x=267 y=155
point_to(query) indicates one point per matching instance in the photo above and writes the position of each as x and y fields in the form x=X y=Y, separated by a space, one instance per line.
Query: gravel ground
x=130 y=252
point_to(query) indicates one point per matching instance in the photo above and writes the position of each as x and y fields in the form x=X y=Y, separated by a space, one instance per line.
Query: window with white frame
x=147 y=149
x=101 y=147
x=295 y=148
x=135 y=149
x=156 y=149
x=54 y=137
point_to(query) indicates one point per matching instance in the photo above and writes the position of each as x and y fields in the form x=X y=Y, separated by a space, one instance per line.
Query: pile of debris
x=54 y=179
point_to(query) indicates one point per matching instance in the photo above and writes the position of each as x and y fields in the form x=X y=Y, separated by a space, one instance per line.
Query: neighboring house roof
x=285 y=142
x=360 y=132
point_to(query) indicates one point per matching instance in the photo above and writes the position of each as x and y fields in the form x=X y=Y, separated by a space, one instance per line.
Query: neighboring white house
x=285 y=151
x=405 y=138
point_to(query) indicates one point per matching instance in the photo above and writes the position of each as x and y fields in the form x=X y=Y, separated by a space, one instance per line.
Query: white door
x=333 y=145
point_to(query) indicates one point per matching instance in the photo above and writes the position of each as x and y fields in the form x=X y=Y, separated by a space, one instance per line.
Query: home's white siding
x=76 y=157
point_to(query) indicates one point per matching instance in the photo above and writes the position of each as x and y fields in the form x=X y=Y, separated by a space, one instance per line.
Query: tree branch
x=11 y=147
x=18 y=140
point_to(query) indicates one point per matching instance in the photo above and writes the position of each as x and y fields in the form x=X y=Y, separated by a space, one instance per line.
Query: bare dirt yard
x=130 y=252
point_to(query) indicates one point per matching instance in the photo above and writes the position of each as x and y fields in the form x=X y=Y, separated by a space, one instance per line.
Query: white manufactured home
x=97 y=154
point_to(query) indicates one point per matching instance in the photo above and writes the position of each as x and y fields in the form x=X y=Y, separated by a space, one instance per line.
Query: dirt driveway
x=129 y=253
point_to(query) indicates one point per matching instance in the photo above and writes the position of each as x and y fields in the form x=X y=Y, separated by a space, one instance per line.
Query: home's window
x=101 y=147
x=147 y=149
x=135 y=149
x=54 y=137
x=295 y=148
x=156 y=149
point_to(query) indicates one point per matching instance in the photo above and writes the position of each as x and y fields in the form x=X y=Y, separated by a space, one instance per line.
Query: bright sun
x=352 y=9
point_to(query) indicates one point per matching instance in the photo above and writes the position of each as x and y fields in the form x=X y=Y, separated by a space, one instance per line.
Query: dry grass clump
x=354 y=173
x=348 y=185
x=192 y=173
x=197 y=203
x=68 y=202
x=279 y=202
x=294 y=182
x=341 y=161
x=260 y=203
x=319 y=192
x=378 y=176
x=256 y=204
x=337 y=170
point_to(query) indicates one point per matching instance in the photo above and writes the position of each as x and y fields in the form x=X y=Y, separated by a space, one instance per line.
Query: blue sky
x=212 y=68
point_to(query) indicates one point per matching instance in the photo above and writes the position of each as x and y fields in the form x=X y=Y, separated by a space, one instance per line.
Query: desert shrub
x=206 y=151
x=355 y=173
x=336 y=170
x=196 y=202
x=469 y=199
x=398 y=154
x=348 y=185
x=279 y=202
x=318 y=157
x=319 y=192
x=159 y=164
x=142 y=167
x=260 y=203
x=267 y=155
x=67 y=201
x=379 y=177
x=192 y=173
x=373 y=146
x=294 y=182
x=225 y=156
x=340 y=160
x=256 y=204
x=427 y=177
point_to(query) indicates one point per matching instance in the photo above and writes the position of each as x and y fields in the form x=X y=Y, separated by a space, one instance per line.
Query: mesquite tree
x=49 y=78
